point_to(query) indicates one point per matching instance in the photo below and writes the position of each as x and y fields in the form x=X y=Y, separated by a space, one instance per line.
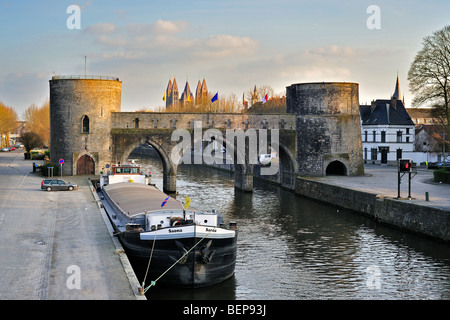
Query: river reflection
x=290 y=247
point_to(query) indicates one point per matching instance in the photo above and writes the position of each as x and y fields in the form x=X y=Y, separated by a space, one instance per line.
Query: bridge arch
x=336 y=168
x=169 y=168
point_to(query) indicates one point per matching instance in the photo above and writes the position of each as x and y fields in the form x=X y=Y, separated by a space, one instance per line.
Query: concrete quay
x=56 y=245
x=375 y=194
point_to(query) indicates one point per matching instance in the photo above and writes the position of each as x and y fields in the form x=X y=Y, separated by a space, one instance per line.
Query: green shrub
x=442 y=175
x=44 y=169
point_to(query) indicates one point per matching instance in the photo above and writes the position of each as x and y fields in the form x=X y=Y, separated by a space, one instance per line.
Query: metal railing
x=77 y=77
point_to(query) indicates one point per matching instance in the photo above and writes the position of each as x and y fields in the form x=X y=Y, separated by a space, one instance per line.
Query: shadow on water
x=290 y=247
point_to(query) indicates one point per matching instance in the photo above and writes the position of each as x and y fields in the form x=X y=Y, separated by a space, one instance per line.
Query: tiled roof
x=383 y=112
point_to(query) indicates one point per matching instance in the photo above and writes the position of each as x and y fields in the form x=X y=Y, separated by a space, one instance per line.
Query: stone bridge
x=319 y=134
x=130 y=129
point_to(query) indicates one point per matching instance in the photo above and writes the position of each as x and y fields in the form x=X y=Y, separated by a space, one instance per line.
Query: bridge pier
x=170 y=182
x=243 y=178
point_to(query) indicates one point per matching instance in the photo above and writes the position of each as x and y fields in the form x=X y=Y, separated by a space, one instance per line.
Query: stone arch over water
x=336 y=168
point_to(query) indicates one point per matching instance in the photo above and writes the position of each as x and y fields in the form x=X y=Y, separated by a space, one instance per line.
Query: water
x=292 y=248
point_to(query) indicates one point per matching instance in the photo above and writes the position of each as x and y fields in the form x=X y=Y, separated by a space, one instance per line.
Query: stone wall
x=328 y=126
x=166 y=120
x=424 y=220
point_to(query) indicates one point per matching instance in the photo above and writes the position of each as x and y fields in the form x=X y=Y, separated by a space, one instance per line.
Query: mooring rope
x=153 y=283
x=150 y=259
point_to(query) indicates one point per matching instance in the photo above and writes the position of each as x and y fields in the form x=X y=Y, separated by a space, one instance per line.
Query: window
x=407 y=130
x=374 y=153
x=136 y=123
x=365 y=136
x=365 y=153
x=399 y=136
x=85 y=124
x=374 y=136
x=407 y=139
x=399 y=154
x=383 y=136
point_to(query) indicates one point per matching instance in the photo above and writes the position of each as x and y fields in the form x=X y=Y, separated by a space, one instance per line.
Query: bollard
x=427 y=196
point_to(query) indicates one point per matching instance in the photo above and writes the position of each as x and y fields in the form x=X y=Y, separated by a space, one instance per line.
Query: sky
x=233 y=45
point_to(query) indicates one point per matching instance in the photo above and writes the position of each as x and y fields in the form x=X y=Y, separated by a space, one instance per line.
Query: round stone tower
x=328 y=128
x=80 y=122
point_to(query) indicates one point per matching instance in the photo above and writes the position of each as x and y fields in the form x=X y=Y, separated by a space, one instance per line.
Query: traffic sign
x=61 y=161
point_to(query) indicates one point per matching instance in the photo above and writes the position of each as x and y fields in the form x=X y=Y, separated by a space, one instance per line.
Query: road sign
x=61 y=161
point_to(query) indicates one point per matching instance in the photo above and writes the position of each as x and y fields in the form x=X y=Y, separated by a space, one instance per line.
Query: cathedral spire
x=397 y=94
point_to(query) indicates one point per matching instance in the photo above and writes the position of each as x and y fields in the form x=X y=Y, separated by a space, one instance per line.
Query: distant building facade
x=387 y=130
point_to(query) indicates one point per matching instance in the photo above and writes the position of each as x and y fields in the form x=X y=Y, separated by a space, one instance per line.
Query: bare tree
x=429 y=75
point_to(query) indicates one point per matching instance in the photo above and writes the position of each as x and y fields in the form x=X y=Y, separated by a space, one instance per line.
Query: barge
x=168 y=241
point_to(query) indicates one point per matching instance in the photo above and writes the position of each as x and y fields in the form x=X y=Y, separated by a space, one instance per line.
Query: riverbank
x=375 y=193
x=56 y=245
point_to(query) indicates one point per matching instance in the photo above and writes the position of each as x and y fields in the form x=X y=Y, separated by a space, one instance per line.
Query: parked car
x=12 y=148
x=57 y=184
x=438 y=165
x=5 y=149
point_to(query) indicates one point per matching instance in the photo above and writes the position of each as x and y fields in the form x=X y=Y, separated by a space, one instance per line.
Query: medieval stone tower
x=328 y=128
x=80 y=122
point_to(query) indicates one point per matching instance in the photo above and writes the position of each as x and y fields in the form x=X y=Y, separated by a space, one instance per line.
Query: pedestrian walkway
x=382 y=180
x=55 y=245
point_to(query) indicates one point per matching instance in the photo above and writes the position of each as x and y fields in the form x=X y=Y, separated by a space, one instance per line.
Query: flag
x=187 y=203
x=264 y=100
x=215 y=97
x=164 y=202
x=164 y=98
x=243 y=100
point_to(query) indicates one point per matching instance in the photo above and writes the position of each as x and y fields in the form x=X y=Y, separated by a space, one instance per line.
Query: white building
x=387 y=130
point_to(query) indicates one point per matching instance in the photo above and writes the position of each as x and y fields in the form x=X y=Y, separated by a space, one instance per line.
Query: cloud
x=168 y=27
x=225 y=45
x=101 y=28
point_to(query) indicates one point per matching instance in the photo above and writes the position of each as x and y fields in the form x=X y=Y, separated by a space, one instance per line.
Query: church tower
x=201 y=93
x=254 y=96
x=397 y=94
x=172 y=94
x=186 y=97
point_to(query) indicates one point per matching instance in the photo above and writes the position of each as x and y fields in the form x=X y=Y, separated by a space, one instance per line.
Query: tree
x=31 y=140
x=8 y=123
x=38 y=120
x=429 y=76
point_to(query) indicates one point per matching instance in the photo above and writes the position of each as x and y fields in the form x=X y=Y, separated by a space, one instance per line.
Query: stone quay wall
x=424 y=220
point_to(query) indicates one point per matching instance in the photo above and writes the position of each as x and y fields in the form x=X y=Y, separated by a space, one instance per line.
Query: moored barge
x=172 y=243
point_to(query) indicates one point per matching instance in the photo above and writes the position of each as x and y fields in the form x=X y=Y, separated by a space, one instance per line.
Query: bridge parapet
x=166 y=120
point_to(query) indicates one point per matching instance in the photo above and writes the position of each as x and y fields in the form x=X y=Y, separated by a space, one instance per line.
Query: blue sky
x=234 y=45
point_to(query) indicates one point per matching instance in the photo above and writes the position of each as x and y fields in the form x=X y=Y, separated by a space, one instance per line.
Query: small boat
x=172 y=243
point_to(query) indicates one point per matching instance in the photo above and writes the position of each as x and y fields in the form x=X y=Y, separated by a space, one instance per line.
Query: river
x=293 y=248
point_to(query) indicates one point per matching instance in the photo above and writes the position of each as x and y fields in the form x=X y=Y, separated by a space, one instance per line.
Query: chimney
x=394 y=102
x=373 y=105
